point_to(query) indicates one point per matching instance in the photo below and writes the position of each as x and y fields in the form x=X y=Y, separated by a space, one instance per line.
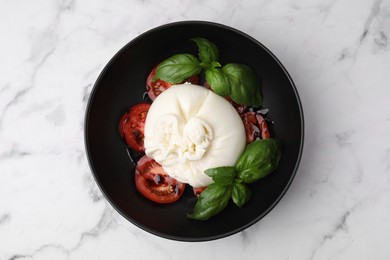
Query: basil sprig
x=235 y=80
x=259 y=159
x=215 y=197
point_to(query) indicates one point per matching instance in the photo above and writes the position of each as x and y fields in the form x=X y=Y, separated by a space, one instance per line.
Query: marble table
x=338 y=54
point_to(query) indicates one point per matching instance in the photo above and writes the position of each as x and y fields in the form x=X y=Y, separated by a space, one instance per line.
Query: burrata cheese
x=190 y=129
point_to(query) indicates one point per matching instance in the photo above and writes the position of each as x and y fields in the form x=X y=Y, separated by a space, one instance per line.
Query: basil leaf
x=259 y=159
x=177 y=68
x=241 y=194
x=218 y=81
x=211 y=201
x=222 y=175
x=215 y=64
x=245 y=88
x=237 y=181
x=208 y=51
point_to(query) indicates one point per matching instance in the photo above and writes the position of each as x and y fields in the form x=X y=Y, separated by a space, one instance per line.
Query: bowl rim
x=88 y=150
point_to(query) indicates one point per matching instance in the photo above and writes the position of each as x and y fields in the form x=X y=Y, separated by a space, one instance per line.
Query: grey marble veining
x=338 y=54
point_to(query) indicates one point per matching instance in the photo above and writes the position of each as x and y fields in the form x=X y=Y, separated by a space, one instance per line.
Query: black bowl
x=122 y=84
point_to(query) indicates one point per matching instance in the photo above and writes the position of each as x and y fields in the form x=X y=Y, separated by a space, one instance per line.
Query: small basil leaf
x=208 y=51
x=177 y=68
x=245 y=88
x=222 y=175
x=211 y=201
x=215 y=64
x=241 y=194
x=218 y=81
x=259 y=159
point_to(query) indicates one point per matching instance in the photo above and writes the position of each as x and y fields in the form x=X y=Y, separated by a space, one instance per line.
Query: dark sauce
x=133 y=155
x=146 y=98
x=262 y=111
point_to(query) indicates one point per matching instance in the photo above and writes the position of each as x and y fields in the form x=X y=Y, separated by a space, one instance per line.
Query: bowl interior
x=122 y=84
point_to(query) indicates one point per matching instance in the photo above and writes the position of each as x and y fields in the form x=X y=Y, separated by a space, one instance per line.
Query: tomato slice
x=264 y=131
x=198 y=191
x=241 y=109
x=155 y=88
x=155 y=184
x=255 y=126
x=131 y=126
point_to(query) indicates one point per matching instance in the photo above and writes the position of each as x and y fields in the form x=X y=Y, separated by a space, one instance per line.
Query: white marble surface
x=338 y=54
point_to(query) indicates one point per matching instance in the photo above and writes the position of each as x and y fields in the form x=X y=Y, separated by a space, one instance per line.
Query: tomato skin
x=255 y=126
x=132 y=124
x=155 y=184
x=122 y=122
x=155 y=88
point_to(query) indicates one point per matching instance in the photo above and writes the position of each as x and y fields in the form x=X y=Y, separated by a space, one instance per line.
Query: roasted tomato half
x=155 y=88
x=131 y=126
x=255 y=126
x=155 y=184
